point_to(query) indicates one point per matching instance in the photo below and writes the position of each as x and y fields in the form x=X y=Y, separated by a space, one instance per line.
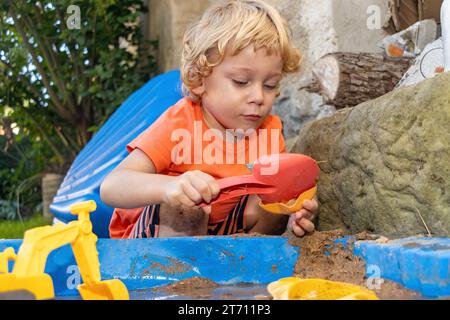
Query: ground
x=14 y=229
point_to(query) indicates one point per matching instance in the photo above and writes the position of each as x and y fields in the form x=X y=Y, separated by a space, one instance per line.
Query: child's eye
x=269 y=87
x=240 y=83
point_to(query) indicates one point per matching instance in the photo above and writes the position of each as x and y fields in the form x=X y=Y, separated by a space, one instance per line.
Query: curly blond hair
x=229 y=27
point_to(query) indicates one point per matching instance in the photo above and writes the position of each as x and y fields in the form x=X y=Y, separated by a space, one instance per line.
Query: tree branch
x=68 y=141
x=9 y=155
x=47 y=51
x=53 y=96
x=21 y=79
x=71 y=148
x=54 y=55
x=79 y=69
x=44 y=135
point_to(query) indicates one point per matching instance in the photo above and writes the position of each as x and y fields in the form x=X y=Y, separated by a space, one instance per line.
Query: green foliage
x=16 y=229
x=19 y=178
x=58 y=85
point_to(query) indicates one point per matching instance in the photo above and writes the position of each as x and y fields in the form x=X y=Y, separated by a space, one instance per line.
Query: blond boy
x=233 y=60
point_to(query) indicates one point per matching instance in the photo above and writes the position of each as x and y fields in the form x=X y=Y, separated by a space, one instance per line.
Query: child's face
x=240 y=91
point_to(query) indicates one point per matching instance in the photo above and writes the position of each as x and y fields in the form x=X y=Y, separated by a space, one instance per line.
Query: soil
x=340 y=264
x=337 y=265
x=202 y=288
x=175 y=267
x=252 y=235
x=189 y=284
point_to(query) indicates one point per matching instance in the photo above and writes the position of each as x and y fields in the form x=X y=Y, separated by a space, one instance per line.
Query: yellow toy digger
x=29 y=264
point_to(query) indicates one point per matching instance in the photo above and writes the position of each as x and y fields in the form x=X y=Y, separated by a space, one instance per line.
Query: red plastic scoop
x=276 y=179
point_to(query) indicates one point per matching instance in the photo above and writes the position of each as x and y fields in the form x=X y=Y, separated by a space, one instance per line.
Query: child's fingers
x=213 y=186
x=297 y=230
x=308 y=211
x=294 y=227
x=215 y=189
x=191 y=192
x=202 y=187
x=206 y=209
x=302 y=214
x=310 y=205
x=290 y=221
x=185 y=201
x=212 y=183
x=306 y=225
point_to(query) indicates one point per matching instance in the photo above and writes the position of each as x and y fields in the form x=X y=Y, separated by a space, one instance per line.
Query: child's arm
x=133 y=184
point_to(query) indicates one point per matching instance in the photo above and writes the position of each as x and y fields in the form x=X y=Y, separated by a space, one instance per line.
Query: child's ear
x=199 y=90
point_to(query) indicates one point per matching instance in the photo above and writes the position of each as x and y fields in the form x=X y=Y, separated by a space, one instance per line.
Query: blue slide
x=108 y=147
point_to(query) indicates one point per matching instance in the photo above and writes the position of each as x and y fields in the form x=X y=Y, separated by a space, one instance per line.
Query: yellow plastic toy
x=292 y=288
x=290 y=207
x=29 y=264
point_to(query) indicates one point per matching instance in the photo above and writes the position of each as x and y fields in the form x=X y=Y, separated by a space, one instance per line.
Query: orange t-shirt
x=180 y=140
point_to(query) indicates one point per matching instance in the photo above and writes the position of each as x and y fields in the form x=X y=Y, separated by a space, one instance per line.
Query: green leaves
x=87 y=71
x=61 y=84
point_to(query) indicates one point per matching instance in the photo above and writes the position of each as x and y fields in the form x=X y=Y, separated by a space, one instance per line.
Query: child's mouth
x=252 y=117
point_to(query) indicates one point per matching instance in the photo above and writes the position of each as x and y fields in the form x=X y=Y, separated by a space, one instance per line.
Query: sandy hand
x=300 y=222
x=190 y=189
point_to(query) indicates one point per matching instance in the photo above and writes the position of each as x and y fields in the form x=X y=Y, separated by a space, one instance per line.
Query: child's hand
x=191 y=188
x=300 y=222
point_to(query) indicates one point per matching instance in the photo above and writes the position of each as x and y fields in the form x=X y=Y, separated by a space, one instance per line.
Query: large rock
x=385 y=164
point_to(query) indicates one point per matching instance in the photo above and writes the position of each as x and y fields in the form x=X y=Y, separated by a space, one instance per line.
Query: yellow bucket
x=292 y=288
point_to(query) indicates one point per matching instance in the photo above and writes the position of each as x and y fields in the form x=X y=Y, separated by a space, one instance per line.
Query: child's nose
x=257 y=94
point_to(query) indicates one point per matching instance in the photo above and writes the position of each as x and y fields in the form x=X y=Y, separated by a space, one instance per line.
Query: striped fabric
x=147 y=226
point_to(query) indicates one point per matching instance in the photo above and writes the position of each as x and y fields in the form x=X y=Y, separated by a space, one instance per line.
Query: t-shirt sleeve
x=156 y=142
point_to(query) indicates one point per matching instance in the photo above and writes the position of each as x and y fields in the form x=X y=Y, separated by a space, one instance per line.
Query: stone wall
x=319 y=27
x=168 y=19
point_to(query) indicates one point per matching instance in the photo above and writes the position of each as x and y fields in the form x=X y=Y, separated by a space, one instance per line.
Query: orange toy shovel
x=282 y=181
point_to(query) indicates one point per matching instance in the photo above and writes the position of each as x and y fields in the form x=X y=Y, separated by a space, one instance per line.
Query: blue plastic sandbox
x=420 y=264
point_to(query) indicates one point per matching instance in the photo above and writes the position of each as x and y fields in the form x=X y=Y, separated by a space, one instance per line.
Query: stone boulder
x=385 y=164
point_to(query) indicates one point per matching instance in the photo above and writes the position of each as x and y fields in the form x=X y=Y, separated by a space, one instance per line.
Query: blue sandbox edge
x=420 y=264
x=147 y=263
